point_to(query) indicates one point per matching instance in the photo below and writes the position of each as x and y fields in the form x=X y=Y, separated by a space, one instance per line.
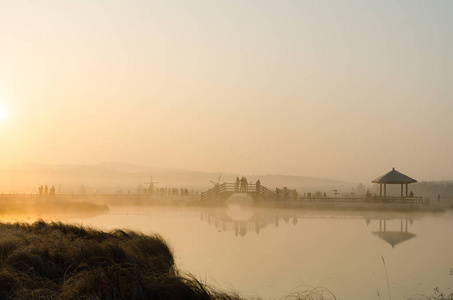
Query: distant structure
x=151 y=187
x=216 y=183
x=393 y=177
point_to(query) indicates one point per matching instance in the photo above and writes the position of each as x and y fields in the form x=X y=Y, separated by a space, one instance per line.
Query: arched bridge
x=222 y=192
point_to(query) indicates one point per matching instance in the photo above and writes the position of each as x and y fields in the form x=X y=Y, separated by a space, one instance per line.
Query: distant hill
x=112 y=177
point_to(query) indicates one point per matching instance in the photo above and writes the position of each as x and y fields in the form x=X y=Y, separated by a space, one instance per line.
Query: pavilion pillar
x=406 y=225
x=401 y=190
x=385 y=190
x=380 y=189
x=406 y=189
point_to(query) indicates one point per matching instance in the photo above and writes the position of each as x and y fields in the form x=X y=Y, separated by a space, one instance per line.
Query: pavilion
x=393 y=177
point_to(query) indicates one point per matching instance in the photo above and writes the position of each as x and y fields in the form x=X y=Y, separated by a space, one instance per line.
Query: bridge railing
x=250 y=188
x=266 y=193
x=225 y=189
x=213 y=192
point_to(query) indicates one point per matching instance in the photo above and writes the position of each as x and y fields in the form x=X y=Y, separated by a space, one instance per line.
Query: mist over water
x=31 y=209
x=271 y=252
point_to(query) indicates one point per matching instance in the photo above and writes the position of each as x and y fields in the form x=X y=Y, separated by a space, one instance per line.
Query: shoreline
x=194 y=201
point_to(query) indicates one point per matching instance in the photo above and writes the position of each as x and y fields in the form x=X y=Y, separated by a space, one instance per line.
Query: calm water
x=272 y=252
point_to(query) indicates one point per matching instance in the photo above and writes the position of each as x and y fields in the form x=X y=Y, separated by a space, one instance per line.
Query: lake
x=270 y=253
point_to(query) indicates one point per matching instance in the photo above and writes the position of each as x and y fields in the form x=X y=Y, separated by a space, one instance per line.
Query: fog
x=261 y=250
x=114 y=178
x=270 y=252
x=308 y=99
x=317 y=89
x=30 y=209
x=111 y=178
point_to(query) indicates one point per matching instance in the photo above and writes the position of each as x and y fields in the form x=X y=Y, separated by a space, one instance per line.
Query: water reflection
x=394 y=237
x=255 y=223
x=243 y=220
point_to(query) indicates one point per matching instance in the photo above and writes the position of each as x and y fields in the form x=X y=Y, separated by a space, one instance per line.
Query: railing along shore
x=215 y=193
x=226 y=189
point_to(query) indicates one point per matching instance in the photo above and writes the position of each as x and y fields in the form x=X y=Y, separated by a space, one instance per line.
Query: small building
x=393 y=177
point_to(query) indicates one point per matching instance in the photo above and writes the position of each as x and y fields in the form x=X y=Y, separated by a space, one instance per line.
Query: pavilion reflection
x=256 y=220
x=394 y=237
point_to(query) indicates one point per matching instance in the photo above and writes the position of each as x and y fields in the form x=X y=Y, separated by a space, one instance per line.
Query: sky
x=331 y=89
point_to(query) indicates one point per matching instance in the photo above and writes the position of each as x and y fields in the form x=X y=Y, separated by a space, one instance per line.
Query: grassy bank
x=58 y=261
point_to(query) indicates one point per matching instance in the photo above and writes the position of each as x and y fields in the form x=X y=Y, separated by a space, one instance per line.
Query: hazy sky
x=336 y=89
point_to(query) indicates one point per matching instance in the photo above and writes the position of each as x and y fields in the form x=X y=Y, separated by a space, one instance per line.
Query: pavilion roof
x=394 y=177
x=394 y=237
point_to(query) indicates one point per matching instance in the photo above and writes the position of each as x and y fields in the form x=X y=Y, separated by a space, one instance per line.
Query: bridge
x=222 y=192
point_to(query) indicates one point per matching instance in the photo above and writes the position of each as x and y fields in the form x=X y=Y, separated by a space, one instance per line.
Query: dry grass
x=58 y=261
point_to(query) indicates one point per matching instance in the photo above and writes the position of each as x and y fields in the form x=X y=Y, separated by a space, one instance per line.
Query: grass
x=59 y=261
